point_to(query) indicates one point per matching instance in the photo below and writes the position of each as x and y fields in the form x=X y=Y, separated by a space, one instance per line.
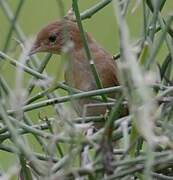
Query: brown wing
x=106 y=68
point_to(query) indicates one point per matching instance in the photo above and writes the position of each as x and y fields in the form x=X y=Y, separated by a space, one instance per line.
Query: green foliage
x=39 y=135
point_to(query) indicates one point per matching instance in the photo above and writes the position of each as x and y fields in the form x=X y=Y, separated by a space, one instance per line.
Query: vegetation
x=43 y=139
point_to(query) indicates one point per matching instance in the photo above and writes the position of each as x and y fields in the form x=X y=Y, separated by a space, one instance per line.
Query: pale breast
x=79 y=76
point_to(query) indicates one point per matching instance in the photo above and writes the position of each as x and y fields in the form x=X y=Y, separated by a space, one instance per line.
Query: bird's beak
x=35 y=48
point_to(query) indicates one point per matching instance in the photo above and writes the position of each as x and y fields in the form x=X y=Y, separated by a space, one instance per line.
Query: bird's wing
x=106 y=68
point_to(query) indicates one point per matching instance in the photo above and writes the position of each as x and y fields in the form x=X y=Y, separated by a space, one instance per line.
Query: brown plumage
x=55 y=37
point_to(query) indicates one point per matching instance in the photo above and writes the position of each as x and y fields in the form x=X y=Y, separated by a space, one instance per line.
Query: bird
x=63 y=36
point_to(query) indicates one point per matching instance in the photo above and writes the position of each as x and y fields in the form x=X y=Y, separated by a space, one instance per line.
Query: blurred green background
x=37 y=13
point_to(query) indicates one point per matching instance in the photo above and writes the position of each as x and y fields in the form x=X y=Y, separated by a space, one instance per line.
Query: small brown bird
x=55 y=38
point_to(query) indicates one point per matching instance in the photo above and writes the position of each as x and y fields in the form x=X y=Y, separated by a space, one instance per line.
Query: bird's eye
x=52 y=38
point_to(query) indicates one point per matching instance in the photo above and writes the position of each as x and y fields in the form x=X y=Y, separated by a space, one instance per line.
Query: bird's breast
x=78 y=75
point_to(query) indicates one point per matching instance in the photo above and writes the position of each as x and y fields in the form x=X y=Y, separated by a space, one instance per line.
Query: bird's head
x=55 y=36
